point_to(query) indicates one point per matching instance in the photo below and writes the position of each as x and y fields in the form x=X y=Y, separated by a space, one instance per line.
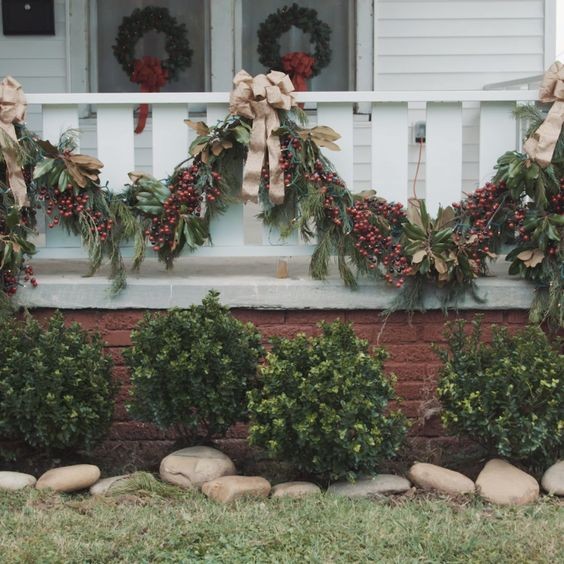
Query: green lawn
x=42 y=527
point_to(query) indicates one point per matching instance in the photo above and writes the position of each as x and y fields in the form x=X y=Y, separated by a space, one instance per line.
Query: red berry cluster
x=69 y=204
x=185 y=199
x=9 y=279
x=555 y=206
x=487 y=219
x=290 y=146
x=375 y=241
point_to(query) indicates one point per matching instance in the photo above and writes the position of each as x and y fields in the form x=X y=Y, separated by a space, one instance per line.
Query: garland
x=523 y=206
x=295 y=64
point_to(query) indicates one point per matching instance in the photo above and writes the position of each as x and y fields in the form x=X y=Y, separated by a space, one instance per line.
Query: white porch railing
x=389 y=124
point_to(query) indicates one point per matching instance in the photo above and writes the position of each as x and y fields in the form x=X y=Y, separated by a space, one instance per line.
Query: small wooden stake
x=282 y=269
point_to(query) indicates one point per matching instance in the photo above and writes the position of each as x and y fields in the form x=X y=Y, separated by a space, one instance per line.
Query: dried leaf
x=199 y=127
x=322 y=136
x=531 y=257
x=86 y=161
x=216 y=147
x=440 y=265
x=136 y=176
x=414 y=215
x=445 y=218
x=418 y=256
x=197 y=149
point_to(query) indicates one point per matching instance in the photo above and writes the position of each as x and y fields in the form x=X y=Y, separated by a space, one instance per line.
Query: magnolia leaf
x=242 y=134
x=364 y=195
x=86 y=161
x=414 y=215
x=531 y=257
x=47 y=147
x=322 y=136
x=418 y=256
x=440 y=265
x=227 y=144
x=199 y=127
x=135 y=176
x=197 y=148
x=76 y=174
x=43 y=167
x=444 y=218
x=216 y=147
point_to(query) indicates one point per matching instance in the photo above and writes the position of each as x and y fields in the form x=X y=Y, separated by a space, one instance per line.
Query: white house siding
x=38 y=62
x=419 y=45
x=456 y=45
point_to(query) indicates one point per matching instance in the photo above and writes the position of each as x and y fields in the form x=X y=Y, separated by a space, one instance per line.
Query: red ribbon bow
x=299 y=66
x=150 y=74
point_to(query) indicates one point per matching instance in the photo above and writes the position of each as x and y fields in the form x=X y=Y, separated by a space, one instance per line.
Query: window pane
x=112 y=78
x=336 y=13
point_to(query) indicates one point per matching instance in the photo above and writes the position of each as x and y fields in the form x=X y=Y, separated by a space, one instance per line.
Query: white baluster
x=170 y=137
x=226 y=230
x=115 y=144
x=339 y=116
x=498 y=134
x=390 y=141
x=444 y=155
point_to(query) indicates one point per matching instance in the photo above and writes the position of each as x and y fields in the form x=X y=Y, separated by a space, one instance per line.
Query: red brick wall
x=409 y=345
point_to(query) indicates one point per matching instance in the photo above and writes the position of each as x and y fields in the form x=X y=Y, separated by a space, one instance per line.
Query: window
x=338 y=14
x=109 y=14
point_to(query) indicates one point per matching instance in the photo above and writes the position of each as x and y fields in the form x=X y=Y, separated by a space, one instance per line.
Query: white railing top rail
x=331 y=97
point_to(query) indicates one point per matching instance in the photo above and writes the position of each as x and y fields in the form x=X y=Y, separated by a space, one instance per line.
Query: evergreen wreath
x=282 y=21
x=153 y=18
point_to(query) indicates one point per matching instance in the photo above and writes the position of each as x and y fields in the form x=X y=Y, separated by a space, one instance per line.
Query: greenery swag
x=522 y=206
x=283 y=20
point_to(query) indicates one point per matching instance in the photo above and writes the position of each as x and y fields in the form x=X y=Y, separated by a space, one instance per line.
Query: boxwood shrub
x=190 y=369
x=322 y=404
x=508 y=395
x=56 y=388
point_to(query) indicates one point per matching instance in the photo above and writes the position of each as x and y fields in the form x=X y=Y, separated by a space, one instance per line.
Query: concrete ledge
x=244 y=283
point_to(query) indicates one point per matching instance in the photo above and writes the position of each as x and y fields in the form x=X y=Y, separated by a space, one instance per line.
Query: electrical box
x=419 y=131
x=28 y=17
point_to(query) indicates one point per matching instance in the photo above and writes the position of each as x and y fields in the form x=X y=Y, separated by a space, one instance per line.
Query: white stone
x=381 y=484
x=69 y=478
x=437 y=478
x=13 y=481
x=502 y=483
x=191 y=467
x=553 y=479
x=231 y=488
x=295 y=489
x=104 y=486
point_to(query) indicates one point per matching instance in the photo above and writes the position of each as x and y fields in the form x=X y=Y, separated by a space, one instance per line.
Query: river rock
x=191 y=467
x=69 y=478
x=382 y=484
x=433 y=477
x=295 y=489
x=230 y=488
x=104 y=486
x=13 y=481
x=502 y=483
x=553 y=479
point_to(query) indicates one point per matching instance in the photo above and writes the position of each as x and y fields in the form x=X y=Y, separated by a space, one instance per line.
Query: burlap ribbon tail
x=258 y=98
x=541 y=144
x=12 y=110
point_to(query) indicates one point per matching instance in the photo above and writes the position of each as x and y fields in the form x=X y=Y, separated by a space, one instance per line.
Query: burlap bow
x=540 y=145
x=258 y=98
x=12 y=110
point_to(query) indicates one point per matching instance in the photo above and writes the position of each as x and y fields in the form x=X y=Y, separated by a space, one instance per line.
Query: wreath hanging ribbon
x=258 y=98
x=541 y=144
x=12 y=110
x=149 y=73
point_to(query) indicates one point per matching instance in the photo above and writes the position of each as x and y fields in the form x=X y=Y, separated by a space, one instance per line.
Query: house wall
x=457 y=44
x=419 y=45
x=409 y=344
